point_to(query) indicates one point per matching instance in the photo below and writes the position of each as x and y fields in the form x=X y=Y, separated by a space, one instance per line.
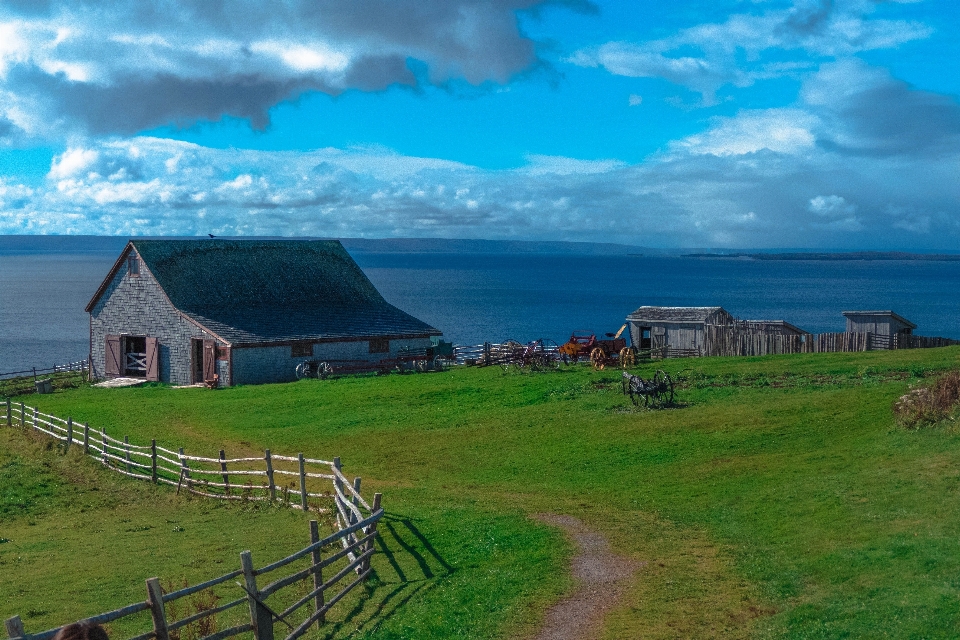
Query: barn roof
x=261 y=291
x=776 y=323
x=893 y=315
x=674 y=314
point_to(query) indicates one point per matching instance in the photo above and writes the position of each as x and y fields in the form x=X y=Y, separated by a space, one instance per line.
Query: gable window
x=380 y=345
x=133 y=266
x=301 y=350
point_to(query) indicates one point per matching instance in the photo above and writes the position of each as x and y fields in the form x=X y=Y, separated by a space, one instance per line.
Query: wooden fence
x=737 y=340
x=259 y=479
x=14 y=383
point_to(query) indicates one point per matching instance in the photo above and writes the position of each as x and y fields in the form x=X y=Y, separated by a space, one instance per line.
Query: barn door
x=112 y=356
x=209 y=359
x=153 y=360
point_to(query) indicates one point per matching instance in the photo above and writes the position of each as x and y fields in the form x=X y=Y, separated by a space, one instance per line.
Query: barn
x=884 y=323
x=245 y=311
x=674 y=328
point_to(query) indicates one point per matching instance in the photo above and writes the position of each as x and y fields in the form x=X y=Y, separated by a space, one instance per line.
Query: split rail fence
x=303 y=483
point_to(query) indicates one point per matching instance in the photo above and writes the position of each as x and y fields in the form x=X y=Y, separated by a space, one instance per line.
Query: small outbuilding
x=679 y=328
x=884 y=323
x=240 y=312
x=774 y=327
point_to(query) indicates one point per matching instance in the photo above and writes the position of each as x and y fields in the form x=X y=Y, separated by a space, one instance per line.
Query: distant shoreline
x=853 y=255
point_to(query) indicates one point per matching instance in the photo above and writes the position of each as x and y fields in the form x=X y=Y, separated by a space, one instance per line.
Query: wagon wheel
x=324 y=370
x=507 y=353
x=302 y=370
x=420 y=366
x=663 y=387
x=439 y=364
x=598 y=358
x=628 y=357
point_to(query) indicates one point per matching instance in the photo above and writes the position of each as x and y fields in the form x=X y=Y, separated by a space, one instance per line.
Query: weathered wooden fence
x=737 y=340
x=25 y=381
x=260 y=478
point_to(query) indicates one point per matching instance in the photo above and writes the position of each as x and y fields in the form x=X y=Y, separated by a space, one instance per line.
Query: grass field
x=778 y=499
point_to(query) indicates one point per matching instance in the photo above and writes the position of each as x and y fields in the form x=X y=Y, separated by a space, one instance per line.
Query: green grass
x=777 y=499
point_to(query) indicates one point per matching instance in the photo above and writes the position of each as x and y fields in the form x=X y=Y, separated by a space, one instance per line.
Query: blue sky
x=721 y=123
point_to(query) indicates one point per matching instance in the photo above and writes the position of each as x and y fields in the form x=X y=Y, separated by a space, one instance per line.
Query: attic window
x=380 y=345
x=133 y=266
x=301 y=350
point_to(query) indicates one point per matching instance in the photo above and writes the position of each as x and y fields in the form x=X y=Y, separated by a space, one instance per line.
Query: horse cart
x=538 y=355
x=613 y=350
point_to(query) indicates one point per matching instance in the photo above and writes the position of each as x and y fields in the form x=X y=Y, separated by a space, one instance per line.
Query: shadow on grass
x=413 y=567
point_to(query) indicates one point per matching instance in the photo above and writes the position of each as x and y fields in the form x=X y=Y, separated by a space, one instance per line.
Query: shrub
x=928 y=405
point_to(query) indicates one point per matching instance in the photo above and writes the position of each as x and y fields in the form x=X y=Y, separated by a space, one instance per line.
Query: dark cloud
x=125 y=65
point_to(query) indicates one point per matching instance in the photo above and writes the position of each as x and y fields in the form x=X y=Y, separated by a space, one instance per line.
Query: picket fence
x=320 y=480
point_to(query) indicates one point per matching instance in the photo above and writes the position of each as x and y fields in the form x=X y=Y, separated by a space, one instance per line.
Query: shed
x=884 y=323
x=247 y=311
x=673 y=327
x=774 y=327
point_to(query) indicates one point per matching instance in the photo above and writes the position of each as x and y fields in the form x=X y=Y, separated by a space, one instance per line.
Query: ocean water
x=475 y=297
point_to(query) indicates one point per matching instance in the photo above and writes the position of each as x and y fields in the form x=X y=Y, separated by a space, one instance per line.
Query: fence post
x=15 y=627
x=153 y=461
x=9 y=413
x=303 y=483
x=273 y=487
x=372 y=530
x=356 y=502
x=36 y=413
x=157 y=612
x=103 y=443
x=318 y=574
x=226 y=476
x=184 y=469
x=126 y=445
x=86 y=438
x=23 y=417
x=260 y=616
x=69 y=432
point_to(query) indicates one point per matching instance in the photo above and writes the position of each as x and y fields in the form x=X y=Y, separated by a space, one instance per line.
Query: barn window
x=133 y=266
x=301 y=350
x=380 y=345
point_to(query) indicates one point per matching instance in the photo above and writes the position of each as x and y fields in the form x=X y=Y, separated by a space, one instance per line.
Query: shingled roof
x=264 y=291
x=673 y=314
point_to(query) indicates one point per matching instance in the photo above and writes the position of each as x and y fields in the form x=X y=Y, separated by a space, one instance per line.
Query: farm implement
x=613 y=350
x=419 y=360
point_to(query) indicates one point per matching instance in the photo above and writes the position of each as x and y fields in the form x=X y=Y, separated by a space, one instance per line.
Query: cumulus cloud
x=706 y=57
x=815 y=174
x=120 y=66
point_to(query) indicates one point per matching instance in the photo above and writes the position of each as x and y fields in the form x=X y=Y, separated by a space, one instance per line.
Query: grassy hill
x=777 y=500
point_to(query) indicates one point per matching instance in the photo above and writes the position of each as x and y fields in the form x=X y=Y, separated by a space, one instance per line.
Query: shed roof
x=257 y=291
x=674 y=314
x=893 y=315
x=777 y=323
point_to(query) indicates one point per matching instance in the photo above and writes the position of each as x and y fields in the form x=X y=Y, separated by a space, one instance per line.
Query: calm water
x=477 y=297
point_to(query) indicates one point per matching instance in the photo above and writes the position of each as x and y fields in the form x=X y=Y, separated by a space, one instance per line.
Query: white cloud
x=788 y=131
x=732 y=52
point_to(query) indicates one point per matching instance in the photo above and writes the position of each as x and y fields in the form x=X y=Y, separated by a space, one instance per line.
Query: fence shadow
x=406 y=565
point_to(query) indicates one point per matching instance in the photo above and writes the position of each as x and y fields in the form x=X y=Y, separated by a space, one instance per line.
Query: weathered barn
x=247 y=311
x=680 y=328
x=884 y=323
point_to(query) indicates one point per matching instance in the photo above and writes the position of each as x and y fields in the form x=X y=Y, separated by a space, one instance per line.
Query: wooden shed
x=673 y=328
x=774 y=327
x=245 y=311
x=884 y=323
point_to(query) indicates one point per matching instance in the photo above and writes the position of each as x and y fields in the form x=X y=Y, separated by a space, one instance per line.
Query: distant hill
x=853 y=255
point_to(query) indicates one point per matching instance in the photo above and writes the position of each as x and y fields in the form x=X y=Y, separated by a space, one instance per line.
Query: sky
x=827 y=124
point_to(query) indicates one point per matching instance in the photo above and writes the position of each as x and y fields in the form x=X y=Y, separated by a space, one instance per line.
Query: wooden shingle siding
x=137 y=306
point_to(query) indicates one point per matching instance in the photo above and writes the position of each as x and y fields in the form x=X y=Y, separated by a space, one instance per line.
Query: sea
x=488 y=291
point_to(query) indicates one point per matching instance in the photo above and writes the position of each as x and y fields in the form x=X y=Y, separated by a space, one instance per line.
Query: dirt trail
x=603 y=578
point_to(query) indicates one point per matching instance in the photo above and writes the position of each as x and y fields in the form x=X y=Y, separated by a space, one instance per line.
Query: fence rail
x=24 y=382
x=312 y=484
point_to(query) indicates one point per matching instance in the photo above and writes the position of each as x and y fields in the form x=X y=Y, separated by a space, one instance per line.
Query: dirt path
x=603 y=578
